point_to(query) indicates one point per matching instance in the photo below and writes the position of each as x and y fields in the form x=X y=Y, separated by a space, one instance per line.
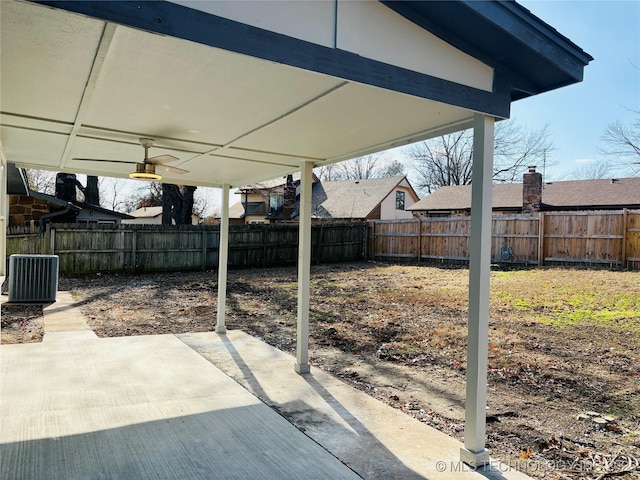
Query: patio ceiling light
x=145 y=171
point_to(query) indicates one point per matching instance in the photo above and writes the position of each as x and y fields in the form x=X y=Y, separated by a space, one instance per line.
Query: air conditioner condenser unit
x=33 y=278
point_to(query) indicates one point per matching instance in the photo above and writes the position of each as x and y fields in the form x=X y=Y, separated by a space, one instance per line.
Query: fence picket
x=147 y=248
x=594 y=237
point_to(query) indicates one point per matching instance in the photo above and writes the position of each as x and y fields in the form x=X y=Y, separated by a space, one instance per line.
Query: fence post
x=372 y=248
x=319 y=238
x=264 y=245
x=52 y=240
x=541 y=239
x=419 y=249
x=365 y=240
x=204 y=249
x=623 y=250
x=134 y=251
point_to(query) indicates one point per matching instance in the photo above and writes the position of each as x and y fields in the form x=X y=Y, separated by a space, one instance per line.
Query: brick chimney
x=531 y=191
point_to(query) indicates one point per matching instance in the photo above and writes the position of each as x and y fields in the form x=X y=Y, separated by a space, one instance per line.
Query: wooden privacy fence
x=148 y=248
x=610 y=238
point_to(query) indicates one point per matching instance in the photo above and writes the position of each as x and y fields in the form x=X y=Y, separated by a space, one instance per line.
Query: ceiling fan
x=146 y=170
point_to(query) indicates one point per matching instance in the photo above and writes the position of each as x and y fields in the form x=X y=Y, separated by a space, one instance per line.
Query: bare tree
x=394 y=168
x=202 y=206
x=443 y=161
x=328 y=173
x=622 y=144
x=42 y=181
x=517 y=147
x=593 y=170
x=118 y=194
x=448 y=160
x=360 y=168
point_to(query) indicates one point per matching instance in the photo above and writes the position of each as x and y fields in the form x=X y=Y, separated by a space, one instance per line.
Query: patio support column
x=4 y=214
x=474 y=452
x=223 y=257
x=304 y=268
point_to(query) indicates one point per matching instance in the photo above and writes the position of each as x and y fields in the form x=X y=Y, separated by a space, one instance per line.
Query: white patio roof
x=239 y=91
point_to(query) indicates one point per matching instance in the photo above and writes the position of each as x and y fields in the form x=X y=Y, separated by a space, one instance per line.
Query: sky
x=579 y=114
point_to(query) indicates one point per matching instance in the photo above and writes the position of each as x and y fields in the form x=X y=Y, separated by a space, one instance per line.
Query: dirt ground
x=564 y=346
x=21 y=324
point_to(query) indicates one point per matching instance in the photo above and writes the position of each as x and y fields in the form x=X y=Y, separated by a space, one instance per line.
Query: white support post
x=223 y=257
x=4 y=214
x=304 y=269
x=474 y=452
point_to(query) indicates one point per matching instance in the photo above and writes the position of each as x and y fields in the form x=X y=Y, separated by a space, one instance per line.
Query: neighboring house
x=533 y=196
x=152 y=216
x=41 y=209
x=264 y=202
x=28 y=207
x=386 y=198
x=368 y=199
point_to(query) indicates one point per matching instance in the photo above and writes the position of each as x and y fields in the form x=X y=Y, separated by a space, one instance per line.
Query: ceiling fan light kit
x=145 y=171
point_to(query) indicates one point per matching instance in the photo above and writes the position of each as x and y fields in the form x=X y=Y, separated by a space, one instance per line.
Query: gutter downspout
x=70 y=206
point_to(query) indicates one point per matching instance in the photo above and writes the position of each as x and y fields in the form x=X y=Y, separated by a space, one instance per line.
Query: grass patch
x=564 y=298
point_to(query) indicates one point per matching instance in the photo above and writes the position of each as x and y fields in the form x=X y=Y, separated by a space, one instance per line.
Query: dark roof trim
x=96 y=208
x=16 y=180
x=546 y=207
x=76 y=206
x=188 y=24
x=538 y=57
x=53 y=200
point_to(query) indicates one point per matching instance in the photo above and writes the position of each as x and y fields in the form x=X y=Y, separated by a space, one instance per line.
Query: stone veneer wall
x=23 y=209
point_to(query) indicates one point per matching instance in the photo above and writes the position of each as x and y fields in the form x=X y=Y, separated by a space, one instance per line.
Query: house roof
x=273 y=183
x=600 y=193
x=351 y=198
x=146 y=212
x=481 y=29
x=242 y=92
x=236 y=210
x=77 y=205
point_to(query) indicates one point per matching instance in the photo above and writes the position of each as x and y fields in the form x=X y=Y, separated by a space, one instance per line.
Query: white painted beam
x=223 y=258
x=90 y=88
x=304 y=268
x=474 y=451
x=4 y=215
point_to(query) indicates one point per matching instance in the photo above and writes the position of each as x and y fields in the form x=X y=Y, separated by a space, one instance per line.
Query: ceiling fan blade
x=168 y=168
x=103 y=160
x=162 y=159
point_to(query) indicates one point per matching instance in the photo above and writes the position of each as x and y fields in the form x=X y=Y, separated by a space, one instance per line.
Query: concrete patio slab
x=199 y=406
x=375 y=440
x=141 y=407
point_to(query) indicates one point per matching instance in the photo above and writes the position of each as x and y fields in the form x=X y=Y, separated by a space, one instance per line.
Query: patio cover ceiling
x=243 y=92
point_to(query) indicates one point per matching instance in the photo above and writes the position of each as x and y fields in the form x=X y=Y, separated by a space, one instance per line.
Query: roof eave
x=538 y=45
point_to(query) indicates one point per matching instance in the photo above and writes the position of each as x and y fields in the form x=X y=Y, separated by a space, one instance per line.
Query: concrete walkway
x=198 y=406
